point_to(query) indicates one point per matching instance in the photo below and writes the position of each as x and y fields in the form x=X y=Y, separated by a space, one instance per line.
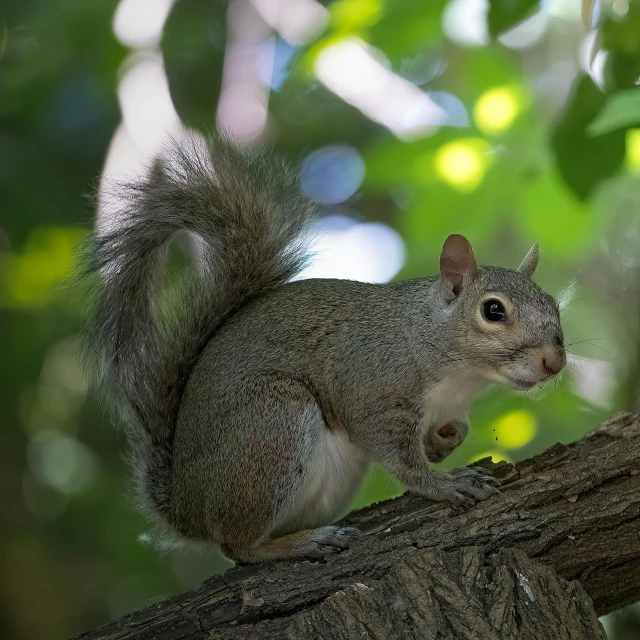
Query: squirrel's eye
x=493 y=311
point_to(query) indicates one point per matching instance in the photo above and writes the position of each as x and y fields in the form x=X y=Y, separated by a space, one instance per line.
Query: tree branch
x=574 y=508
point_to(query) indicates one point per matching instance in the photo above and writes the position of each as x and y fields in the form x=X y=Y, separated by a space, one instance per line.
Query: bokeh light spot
x=297 y=21
x=31 y=278
x=61 y=462
x=456 y=113
x=465 y=22
x=633 y=150
x=527 y=33
x=332 y=174
x=463 y=163
x=515 y=429
x=350 y=15
x=361 y=75
x=138 y=23
x=147 y=108
x=344 y=248
x=497 y=108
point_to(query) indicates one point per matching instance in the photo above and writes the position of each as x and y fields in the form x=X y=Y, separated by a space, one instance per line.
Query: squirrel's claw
x=472 y=483
x=326 y=540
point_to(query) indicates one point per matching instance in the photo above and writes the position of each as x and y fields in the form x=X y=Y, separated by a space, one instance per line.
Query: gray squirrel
x=254 y=403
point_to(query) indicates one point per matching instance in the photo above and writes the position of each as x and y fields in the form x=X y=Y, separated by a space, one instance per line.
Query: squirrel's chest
x=449 y=399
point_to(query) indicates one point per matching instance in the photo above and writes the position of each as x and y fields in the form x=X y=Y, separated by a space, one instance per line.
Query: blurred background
x=509 y=121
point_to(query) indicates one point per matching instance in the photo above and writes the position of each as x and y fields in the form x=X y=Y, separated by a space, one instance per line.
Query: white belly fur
x=334 y=474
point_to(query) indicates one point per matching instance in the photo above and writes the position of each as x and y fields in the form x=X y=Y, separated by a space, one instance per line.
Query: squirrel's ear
x=457 y=263
x=530 y=262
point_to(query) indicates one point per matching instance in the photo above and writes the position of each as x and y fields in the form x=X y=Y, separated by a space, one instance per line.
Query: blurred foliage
x=621 y=110
x=505 y=14
x=546 y=147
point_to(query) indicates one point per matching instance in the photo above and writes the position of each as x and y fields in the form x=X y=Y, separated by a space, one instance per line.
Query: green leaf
x=407 y=27
x=622 y=110
x=620 y=37
x=583 y=160
x=505 y=14
x=193 y=45
x=621 y=34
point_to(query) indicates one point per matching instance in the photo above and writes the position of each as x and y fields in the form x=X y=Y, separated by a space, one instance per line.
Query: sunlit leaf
x=621 y=110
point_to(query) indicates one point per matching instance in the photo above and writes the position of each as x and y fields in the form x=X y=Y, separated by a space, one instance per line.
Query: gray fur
x=257 y=411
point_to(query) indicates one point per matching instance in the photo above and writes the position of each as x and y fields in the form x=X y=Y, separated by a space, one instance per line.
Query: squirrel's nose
x=554 y=361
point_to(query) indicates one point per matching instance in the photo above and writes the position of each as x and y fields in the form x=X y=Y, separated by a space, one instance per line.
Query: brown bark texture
x=558 y=547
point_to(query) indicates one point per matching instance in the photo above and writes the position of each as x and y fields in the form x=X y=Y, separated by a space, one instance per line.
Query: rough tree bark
x=557 y=548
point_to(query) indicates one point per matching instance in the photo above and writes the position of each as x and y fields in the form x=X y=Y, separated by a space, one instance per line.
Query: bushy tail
x=248 y=216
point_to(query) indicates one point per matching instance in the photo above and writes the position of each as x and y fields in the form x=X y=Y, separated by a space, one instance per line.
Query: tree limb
x=574 y=508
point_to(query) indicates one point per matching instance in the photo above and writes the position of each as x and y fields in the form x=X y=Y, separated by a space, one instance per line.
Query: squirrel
x=255 y=402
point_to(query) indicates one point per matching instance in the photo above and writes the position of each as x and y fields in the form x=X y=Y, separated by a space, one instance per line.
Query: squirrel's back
x=248 y=215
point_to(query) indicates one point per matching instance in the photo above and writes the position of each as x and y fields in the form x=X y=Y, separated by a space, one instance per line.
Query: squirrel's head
x=507 y=327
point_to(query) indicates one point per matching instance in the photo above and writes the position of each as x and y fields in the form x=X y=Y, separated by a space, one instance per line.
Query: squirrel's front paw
x=440 y=441
x=461 y=486
x=472 y=483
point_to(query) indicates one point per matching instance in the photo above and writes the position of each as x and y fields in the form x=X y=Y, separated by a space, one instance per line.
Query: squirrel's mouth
x=523 y=385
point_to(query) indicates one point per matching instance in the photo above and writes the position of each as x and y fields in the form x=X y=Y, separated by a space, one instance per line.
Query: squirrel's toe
x=325 y=540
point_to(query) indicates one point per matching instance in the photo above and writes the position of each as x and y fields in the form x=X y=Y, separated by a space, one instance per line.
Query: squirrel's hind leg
x=282 y=481
x=328 y=480
x=311 y=543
